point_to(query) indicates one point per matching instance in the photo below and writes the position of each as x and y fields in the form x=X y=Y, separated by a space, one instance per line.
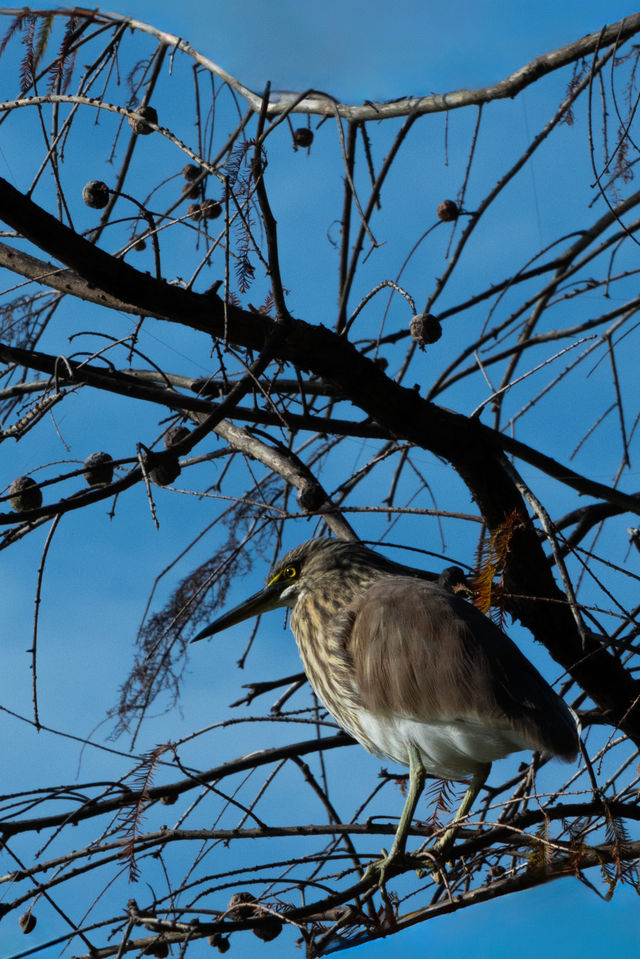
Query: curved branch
x=321 y=104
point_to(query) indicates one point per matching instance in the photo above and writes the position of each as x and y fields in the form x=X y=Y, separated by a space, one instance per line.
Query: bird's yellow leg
x=468 y=800
x=416 y=784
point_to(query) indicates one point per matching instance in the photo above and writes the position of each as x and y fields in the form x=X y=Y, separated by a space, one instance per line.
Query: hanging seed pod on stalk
x=27 y=922
x=303 y=137
x=207 y=210
x=139 y=124
x=447 y=211
x=24 y=494
x=160 y=949
x=95 y=194
x=241 y=906
x=309 y=497
x=98 y=469
x=174 y=435
x=425 y=328
x=219 y=942
x=163 y=469
x=270 y=928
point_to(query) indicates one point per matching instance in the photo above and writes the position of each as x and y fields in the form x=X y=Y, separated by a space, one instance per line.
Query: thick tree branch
x=473 y=450
x=324 y=909
x=62 y=280
x=118 y=279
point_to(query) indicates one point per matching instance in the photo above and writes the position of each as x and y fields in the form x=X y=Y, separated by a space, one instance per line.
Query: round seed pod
x=303 y=137
x=160 y=949
x=95 y=194
x=219 y=942
x=425 y=328
x=174 y=434
x=140 y=245
x=190 y=171
x=190 y=191
x=210 y=209
x=27 y=922
x=270 y=928
x=447 y=211
x=309 y=497
x=207 y=210
x=24 y=494
x=98 y=469
x=133 y=908
x=241 y=906
x=163 y=470
x=138 y=122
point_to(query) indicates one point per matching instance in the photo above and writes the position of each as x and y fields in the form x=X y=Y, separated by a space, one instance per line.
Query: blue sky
x=354 y=50
x=362 y=49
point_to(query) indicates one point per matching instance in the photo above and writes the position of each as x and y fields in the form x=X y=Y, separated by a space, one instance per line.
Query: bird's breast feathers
x=450 y=750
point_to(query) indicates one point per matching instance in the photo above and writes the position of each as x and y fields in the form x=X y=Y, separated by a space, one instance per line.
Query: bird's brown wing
x=418 y=650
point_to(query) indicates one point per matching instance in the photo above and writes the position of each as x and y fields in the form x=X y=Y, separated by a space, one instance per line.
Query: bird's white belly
x=449 y=750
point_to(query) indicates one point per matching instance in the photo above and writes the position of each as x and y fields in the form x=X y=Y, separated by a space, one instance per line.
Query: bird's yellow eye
x=288 y=573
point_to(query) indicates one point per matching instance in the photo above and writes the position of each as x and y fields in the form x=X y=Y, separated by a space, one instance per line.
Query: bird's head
x=317 y=564
x=337 y=568
x=283 y=587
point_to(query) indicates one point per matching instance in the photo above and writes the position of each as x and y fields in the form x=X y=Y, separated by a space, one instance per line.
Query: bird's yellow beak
x=268 y=598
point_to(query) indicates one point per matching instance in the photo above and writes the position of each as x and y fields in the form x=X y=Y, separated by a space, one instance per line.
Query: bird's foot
x=443 y=845
x=380 y=869
x=390 y=864
x=431 y=867
x=434 y=859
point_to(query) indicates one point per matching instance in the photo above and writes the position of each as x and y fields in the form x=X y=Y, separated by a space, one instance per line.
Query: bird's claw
x=391 y=863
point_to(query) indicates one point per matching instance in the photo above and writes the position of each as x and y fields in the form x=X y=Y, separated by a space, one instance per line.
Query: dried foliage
x=125 y=319
x=160 y=656
x=129 y=823
x=491 y=561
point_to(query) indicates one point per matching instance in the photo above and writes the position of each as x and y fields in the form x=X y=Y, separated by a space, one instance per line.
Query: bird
x=410 y=669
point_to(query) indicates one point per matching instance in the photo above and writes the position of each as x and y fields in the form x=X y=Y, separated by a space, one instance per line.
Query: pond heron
x=410 y=669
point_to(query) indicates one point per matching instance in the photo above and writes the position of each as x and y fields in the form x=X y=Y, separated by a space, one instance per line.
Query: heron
x=410 y=669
